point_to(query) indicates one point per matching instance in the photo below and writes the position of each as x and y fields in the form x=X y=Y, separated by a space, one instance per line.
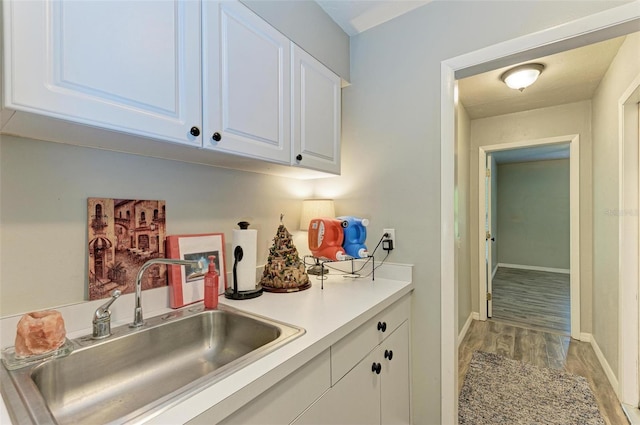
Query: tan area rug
x=498 y=390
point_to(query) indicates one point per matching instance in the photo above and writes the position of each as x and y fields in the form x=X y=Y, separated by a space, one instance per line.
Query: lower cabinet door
x=287 y=399
x=355 y=399
x=395 y=392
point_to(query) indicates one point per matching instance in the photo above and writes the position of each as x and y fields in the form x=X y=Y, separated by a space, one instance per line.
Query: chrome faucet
x=102 y=318
x=138 y=321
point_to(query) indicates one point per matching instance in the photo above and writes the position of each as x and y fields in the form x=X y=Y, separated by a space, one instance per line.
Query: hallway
x=532 y=299
x=542 y=349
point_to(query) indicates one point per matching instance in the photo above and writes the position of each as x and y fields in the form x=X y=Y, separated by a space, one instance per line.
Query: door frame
x=629 y=249
x=574 y=216
x=488 y=212
x=590 y=29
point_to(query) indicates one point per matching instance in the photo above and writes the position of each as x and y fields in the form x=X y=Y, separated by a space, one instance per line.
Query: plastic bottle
x=325 y=238
x=355 y=235
x=211 y=285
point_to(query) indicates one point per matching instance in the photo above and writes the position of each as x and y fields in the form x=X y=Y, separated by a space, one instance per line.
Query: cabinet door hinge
x=488 y=296
x=488 y=172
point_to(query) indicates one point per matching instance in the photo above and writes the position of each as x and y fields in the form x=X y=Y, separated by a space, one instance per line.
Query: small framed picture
x=186 y=283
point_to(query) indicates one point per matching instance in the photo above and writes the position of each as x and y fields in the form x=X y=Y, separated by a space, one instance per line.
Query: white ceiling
x=569 y=76
x=355 y=17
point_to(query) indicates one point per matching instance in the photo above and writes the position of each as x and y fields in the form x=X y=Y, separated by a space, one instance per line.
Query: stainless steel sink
x=136 y=373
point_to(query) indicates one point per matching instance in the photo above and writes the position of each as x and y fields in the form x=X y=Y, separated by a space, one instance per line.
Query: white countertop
x=326 y=314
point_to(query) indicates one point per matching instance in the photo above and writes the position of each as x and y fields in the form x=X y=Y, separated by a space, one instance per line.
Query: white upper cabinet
x=316 y=114
x=206 y=74
x=129 y=66
x=246 y=105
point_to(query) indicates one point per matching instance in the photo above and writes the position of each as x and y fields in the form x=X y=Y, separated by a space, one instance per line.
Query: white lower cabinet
x=282 y=402
x=353 y=400
x=375 y=391
x=361 y=379
x=395 y=394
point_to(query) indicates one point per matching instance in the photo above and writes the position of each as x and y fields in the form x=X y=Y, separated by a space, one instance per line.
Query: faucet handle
x=102 y=317
x=103 y=310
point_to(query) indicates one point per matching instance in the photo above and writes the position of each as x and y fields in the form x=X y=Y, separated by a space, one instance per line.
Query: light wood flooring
x=544 y=349
x=537 y=299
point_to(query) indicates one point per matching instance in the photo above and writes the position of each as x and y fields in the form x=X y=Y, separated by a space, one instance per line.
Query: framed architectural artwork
x=122 y=235
x=186 y=283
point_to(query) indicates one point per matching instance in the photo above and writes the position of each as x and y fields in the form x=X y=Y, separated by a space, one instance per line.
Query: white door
x=395 y=395
x=131 y=66
x=246 y=79
x=489 y=238
x=316 y=113
x=354 y=400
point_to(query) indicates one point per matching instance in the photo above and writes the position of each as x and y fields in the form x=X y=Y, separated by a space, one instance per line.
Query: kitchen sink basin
x=136 y=373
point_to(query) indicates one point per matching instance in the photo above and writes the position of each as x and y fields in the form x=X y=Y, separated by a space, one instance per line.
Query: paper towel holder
x=233 y=293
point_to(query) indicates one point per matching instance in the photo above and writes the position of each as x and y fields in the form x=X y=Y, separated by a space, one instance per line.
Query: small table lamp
x=316 y=208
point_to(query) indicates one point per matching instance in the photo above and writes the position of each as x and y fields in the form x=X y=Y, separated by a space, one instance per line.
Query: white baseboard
x=537 y=268
x=495 y=270
x=633 y=413
x=587 y=337
x=472 y=316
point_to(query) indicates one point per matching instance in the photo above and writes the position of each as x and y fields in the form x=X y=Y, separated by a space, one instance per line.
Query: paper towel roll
x=246 y=270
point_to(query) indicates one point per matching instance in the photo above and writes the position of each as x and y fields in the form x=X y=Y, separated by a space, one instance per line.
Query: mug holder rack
x=354 y=273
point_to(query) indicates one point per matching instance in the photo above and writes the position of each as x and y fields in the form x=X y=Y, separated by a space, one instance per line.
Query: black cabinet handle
x=216 y=136
x=376 y=367
x=195 y=131
x=382 y=326
x=299 y=157
x=388 y=354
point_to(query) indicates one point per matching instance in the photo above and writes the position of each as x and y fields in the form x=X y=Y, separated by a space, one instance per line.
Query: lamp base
x=317 y=270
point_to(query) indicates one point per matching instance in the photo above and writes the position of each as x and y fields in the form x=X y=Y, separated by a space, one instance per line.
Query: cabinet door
x=355 y=399
x=395 y=391
x=129 y=66
x=246 y=103
x=281 y=403
x=316 y=114
x=349 y=350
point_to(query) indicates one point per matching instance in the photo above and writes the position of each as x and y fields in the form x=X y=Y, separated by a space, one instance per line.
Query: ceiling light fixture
x=522 y=76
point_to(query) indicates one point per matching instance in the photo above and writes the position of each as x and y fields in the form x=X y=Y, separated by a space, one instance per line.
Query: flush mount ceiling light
x=522 y=76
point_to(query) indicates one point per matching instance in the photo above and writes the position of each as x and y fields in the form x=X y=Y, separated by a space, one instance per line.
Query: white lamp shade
x=315 y=208
x=521 y=77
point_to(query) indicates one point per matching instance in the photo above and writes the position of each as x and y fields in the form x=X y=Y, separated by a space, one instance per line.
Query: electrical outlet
x=391 y=236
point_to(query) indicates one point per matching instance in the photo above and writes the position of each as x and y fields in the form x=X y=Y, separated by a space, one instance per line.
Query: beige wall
x=462 y=251
x=391 y=143
x=43 y=216
x=533 y=213
x=573 y=118
x=624 y=68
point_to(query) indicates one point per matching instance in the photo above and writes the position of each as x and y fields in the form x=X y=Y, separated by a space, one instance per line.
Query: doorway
x=527 y=234
x=485 y=275
x=595 y=27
